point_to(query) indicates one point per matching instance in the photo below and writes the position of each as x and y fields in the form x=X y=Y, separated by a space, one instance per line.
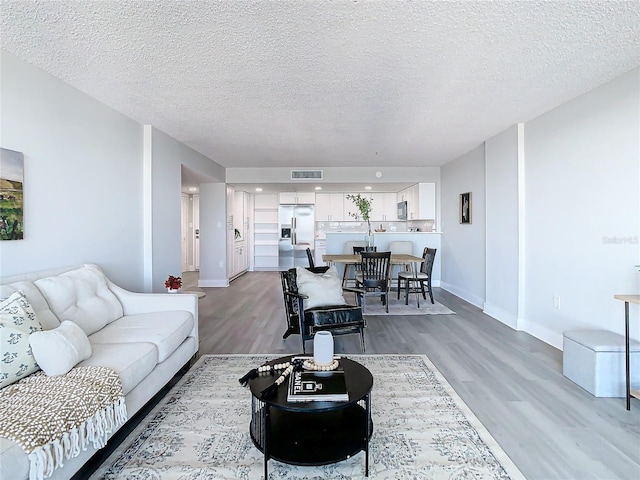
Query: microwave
x=402 y=210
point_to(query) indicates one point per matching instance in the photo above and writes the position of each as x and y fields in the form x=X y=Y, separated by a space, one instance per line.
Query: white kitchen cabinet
x=240 y=261
x=329 y=207
x=384 y=207
x=421 y=201
x=297 y=198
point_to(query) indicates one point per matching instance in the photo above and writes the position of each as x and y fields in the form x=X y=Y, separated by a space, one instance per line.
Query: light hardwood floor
x=550 y=427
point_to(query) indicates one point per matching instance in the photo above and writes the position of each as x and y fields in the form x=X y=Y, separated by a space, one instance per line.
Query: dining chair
x=349 y=267
x=310 y=257
x=373 y=277
x=421 y=277
x=400 y=247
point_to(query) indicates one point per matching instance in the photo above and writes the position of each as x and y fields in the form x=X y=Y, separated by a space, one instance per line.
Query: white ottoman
x=594 y=359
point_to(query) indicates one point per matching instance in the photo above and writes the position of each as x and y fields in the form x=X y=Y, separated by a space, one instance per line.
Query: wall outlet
x=221 y=264
x=556 y=302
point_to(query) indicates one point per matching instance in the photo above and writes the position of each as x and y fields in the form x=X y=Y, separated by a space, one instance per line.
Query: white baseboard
x=463 y=294
x=213 y=283
x=503 y=316
x=541 y=333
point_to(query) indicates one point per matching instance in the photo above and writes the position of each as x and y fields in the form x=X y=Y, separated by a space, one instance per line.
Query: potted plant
x=173 y=284
x=364 y=209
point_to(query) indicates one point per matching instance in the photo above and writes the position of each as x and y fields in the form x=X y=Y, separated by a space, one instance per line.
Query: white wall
x=167 y=157
x=337 y=174
x=82 y=181
x=580 y=221
x=463 y=245
x=502 y=252
x=89 y=195
x=213 y=236
x=582 y=188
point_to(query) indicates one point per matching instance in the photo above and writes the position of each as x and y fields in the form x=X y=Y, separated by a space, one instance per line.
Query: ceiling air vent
x=306 y=174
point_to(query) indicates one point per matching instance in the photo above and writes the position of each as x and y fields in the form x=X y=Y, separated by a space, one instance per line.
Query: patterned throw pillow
x=17 y=321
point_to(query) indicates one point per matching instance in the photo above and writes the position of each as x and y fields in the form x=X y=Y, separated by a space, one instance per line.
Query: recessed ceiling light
x=193 y=189
x=258 y=189
x=367 y=187
x=318 y=188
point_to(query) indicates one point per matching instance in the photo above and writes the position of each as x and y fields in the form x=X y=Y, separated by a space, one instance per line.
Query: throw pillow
x=17 y=322
x=323 y=289
x=59 y=350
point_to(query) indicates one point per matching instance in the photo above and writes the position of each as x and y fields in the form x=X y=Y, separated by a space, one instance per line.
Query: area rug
x=422 y=430
x=397 y=307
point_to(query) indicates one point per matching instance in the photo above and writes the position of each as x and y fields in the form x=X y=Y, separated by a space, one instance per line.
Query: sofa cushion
x=46 y=317
x=82 y=296
x=132 y=361
x=18 y=321
x=59 y=350
x=166 y=330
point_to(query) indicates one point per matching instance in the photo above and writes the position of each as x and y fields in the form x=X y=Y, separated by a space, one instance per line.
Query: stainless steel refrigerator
x=297 y=233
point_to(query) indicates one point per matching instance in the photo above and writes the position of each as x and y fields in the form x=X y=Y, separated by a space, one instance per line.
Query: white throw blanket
x=53 y=418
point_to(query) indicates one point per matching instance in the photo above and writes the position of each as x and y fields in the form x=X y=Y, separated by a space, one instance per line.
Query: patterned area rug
x=397 y=307
x=422 y=430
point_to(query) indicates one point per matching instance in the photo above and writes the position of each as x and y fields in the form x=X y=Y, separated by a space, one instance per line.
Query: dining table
x=396 y=259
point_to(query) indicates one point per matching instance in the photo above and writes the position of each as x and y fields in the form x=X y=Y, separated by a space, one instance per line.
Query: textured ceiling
x=328 y=83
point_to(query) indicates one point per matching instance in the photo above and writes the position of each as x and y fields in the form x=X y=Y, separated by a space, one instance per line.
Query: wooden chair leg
x=424 y=295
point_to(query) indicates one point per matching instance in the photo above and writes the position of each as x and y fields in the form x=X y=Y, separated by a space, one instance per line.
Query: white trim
x=213 y=283
x=147 y=208
x=541 y=332
x=502 y=315
x=463 y=294
x=521 y=228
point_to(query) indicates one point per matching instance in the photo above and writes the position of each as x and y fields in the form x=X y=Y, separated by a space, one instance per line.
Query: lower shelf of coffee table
x=314 y=438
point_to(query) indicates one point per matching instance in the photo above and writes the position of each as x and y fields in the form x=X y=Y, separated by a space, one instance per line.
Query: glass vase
x=368 y=242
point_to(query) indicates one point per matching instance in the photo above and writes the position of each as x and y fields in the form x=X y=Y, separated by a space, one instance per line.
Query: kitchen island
x=335 y=242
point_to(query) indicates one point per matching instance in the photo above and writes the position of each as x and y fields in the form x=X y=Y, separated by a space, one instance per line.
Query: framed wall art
x=11 y=194
x=465 y=207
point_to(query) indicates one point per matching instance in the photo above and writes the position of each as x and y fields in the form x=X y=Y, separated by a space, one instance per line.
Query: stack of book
x=313 y=386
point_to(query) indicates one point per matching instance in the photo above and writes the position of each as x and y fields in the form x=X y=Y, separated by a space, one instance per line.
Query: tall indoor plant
x=364 y=212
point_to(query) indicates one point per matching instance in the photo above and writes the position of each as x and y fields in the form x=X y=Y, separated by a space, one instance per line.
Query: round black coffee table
x=312 y=433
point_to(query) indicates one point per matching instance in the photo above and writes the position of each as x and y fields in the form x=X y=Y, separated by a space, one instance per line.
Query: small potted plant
x=173 y=284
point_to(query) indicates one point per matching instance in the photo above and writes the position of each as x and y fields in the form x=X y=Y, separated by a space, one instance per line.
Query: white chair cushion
x=323 y=289
x=132 y=361
x=59 y=350
x=82 y=296
x=18 y=321
x=166 y=330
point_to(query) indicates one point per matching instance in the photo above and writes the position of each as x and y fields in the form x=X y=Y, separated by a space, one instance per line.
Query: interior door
x=184 y=229
x=196 y=232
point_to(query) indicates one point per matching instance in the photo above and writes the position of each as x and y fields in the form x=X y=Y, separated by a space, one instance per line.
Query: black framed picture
x=465 y=207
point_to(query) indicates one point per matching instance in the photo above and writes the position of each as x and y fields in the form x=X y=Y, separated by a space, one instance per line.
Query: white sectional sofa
x=146 y=338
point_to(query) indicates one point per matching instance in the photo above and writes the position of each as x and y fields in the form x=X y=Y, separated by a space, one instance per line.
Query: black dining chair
x=310 y=257
x=421 y=277
x=373 y=277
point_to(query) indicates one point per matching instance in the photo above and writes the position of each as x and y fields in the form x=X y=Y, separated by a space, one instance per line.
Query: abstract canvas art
x=11 y=195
